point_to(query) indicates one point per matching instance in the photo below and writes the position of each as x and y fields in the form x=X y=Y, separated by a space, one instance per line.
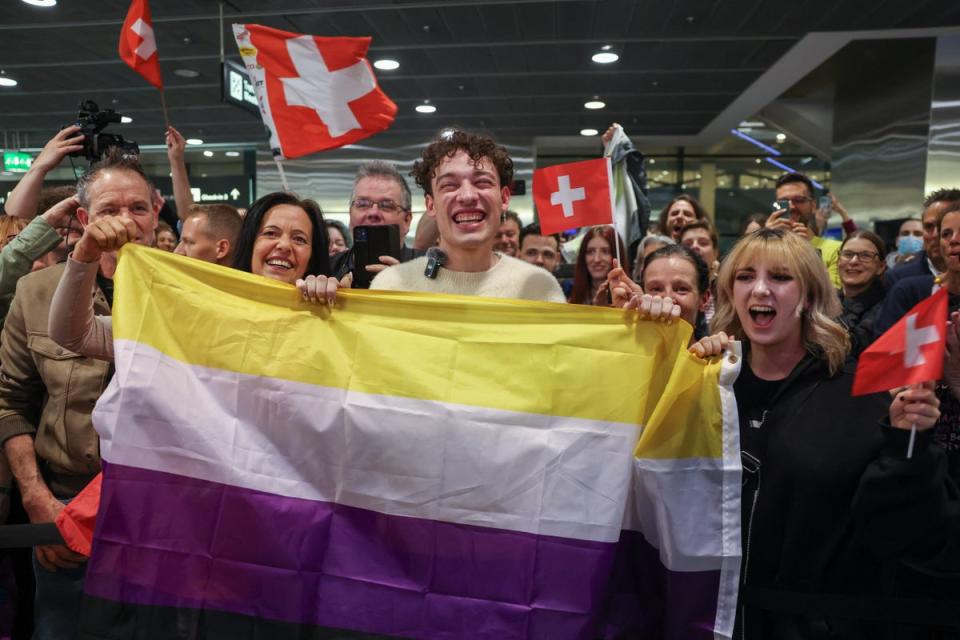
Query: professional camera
x=92 y=121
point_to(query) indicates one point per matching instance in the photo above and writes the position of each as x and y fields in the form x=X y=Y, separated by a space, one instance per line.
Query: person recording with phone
x=795 y=210
x=380 y=197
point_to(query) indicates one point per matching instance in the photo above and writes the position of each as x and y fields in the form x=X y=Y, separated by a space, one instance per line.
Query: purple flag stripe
x=169 y=540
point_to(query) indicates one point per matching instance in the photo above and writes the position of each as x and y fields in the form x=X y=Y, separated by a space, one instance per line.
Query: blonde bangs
x=820 y=330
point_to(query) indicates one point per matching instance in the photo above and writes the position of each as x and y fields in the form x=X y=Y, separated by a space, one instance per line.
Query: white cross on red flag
x=911 y=351
x=138 y=46
x=572 y=195
x=315 y=93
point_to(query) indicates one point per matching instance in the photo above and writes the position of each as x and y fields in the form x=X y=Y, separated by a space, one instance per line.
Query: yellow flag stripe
x=562 y=360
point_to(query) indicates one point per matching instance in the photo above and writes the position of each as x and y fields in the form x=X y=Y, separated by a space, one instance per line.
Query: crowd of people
x=844 y=534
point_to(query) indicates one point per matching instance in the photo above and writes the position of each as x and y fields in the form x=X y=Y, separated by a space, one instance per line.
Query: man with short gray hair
x=380 y=196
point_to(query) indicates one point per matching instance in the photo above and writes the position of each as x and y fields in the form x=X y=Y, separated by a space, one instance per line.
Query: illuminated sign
x=237 y=89
x=16 y=161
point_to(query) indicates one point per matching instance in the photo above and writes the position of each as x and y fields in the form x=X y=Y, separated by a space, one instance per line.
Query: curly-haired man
x=465 y=178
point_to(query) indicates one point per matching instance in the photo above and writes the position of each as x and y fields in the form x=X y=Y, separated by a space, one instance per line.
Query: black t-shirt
x=754 y=398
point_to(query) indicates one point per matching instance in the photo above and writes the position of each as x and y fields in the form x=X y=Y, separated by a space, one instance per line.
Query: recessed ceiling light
x=7 y=82
x=186 y=73
x=606 y=47
x=42 y=3
x=425 y=108
x=588 y=132
x=125 y=119
x=208 y=153
x=781 y=137
x=605 y=57
x=653 y=161
x=194 y=141
x=232 y=154
x=386 y=64
x=595 y=104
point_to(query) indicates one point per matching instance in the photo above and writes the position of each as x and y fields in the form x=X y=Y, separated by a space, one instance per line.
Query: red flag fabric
x=78 y=519
x=138 y=47
x=315 y=93
x=910 y=351
x=576 y=194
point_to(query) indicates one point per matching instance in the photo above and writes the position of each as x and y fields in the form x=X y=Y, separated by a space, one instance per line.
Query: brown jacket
x=47 y=391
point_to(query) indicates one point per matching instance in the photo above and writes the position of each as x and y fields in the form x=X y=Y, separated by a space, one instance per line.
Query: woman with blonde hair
x=821 y=522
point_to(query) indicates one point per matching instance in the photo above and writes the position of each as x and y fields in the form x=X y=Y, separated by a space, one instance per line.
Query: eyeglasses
x=795 y=200
x=863 y=256
x=386 y=206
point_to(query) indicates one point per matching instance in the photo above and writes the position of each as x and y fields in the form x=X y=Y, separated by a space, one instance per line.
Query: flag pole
x=163 y=106
x=616 y=243
x=913 y=438
x=283 y=176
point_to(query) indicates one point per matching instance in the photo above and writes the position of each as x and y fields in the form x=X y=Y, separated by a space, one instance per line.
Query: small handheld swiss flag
x=911 y=351
x=138 y=47
x=315 y=93
x=576 y=194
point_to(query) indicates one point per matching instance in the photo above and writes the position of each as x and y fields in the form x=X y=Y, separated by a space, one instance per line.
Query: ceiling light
x=588 y=132
x=194 y=141
x=594 y=104
x=605 y=57
x=186 y=73
x=781 y=137
x=606 y=47
x=386 y=64
x=653 y=161
x=751 y=123
x=757 y=160
x=208 y=153
x=5 y=81
x=125 y=119
x=232 y=154
x=42 y=3
x=426 y=107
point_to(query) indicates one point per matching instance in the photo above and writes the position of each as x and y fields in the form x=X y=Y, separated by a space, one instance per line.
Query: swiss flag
x=138 y=47
x=576 y=194
x=910 y=351
x=78 y=519
x=315 y=93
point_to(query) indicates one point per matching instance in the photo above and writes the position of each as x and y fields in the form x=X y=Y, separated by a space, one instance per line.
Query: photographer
x=24 y=198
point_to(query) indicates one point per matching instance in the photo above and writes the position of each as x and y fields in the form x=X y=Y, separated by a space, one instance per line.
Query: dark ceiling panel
x=518 y=66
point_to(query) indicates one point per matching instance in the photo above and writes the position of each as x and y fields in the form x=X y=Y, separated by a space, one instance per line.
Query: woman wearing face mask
x=909 y=242
x=830 y=503
x=861 y=266
x=678 y=213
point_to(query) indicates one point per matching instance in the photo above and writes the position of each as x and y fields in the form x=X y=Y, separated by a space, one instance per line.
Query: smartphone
x=781 y=205
x=369 y=243
x=826 y=203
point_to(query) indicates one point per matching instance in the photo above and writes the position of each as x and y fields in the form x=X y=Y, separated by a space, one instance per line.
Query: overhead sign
x=16 y=161
x=236 y=88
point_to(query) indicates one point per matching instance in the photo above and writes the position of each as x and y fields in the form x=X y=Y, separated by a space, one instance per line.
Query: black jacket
x=831 y=509
x=860 y=314
x=916 y=265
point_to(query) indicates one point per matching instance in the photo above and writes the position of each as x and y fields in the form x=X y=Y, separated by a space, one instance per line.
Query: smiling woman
x=861 y=265
x=826 y=519
x=283 y=238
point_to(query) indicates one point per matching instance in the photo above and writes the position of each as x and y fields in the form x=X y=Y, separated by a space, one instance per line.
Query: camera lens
x=361 y=235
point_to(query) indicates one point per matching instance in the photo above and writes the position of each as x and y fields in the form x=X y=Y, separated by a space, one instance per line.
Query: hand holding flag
x=910 y=352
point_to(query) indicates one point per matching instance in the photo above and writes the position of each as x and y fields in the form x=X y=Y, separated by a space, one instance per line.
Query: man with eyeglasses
x=380 y=197
x=800 y=218
x=929 y=260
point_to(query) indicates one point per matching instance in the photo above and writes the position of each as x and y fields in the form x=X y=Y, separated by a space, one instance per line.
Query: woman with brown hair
x=678 y=213
x=594 y=262
x=861 y=265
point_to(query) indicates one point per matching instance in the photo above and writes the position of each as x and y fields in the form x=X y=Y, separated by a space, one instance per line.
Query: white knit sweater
x=508 y=278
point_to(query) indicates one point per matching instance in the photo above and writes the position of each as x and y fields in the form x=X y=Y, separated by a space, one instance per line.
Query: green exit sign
x=16 y=161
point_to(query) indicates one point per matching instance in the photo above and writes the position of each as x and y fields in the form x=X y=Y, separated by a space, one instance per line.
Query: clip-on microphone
x=435 y=259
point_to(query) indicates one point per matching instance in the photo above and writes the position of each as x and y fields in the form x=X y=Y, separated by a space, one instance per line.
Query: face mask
x=909 y=244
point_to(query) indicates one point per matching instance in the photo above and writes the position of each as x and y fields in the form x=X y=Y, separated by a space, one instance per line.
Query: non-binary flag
x=910 y=351
x=572 y=195
x=375 y=469
x=314 y=93
x=138 y=46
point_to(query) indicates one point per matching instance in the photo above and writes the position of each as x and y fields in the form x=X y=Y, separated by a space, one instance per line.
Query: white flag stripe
x=524 y=472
